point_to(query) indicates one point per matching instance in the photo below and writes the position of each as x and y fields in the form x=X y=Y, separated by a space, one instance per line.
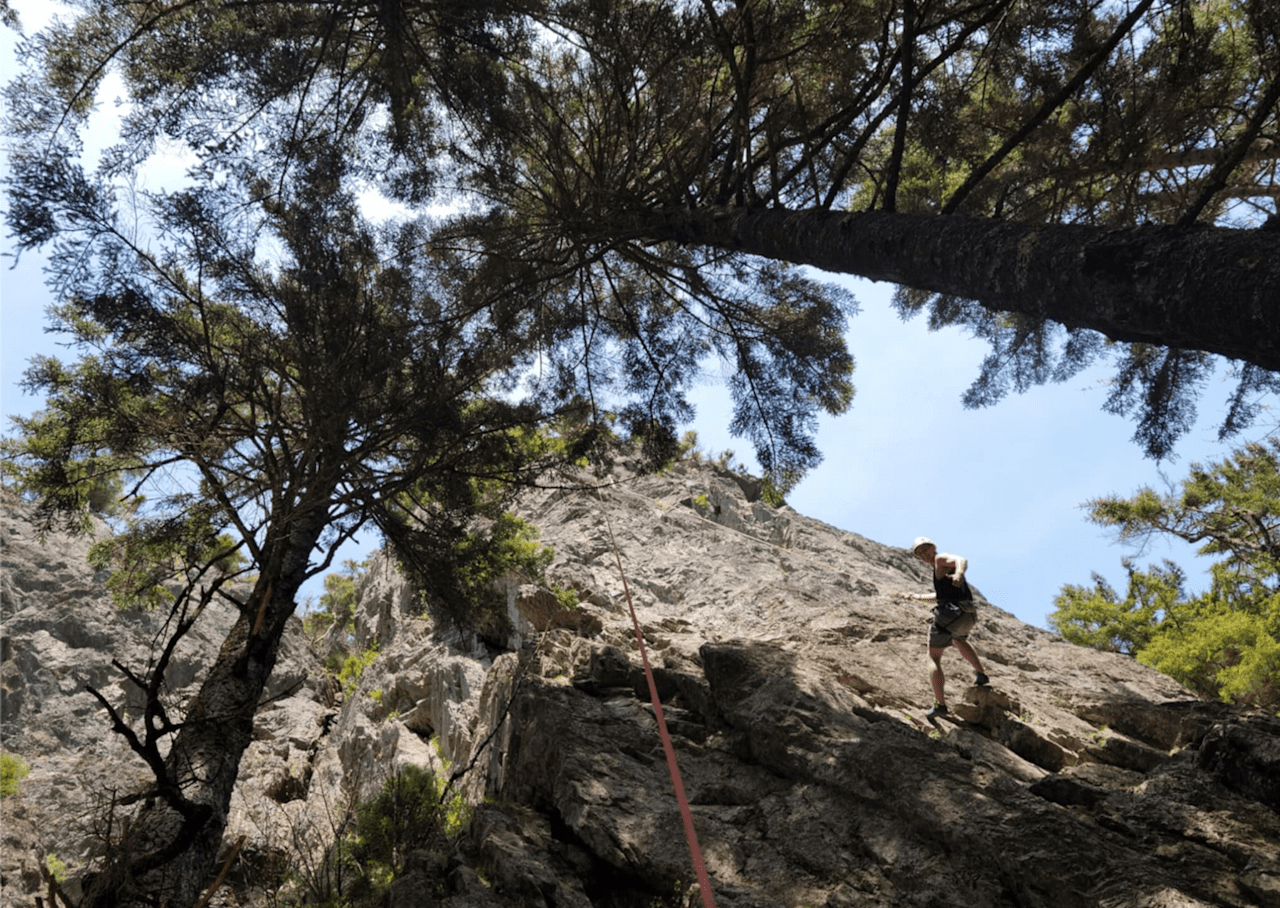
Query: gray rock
x=1245 y=756
x=794 y=687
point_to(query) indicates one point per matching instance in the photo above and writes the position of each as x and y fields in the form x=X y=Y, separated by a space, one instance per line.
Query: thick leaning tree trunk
x=165 y=858
x=1202 y=288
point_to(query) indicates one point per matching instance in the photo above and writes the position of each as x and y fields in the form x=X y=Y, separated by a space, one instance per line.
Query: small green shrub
x=672 y=899
x=57 y=867
x=406 y=816
x=689 y=448
x=353 y=667
x=374 y=843
x=13 y=769
x=773 y=492
x=458 y=570
x=314 y=623
x=567 y=597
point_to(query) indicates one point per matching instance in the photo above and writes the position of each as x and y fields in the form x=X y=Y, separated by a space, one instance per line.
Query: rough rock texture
x=794 y=687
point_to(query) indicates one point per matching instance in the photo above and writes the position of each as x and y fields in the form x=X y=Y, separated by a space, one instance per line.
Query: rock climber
x=953 y=617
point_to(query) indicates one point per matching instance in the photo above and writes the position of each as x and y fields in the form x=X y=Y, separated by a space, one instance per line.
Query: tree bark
x=166 y=857
x=1200 y=288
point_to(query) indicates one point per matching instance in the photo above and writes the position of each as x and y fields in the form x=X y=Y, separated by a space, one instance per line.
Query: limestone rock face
x=794 y=686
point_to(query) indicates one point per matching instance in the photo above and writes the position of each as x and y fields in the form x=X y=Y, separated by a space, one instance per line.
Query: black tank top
x=949 y=592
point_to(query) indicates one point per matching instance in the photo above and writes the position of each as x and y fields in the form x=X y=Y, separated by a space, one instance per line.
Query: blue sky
x=1005 y=489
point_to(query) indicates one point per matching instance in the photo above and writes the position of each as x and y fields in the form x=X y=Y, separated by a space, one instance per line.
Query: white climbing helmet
x=921 y=540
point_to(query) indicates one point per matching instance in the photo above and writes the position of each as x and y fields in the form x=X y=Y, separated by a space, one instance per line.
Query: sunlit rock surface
x=794 y=686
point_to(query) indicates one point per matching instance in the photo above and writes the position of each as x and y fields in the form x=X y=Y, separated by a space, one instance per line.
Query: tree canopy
x=262 y=85
x=1225 y=642
x=269 y=372
x=1019 y=168
x=665 y=144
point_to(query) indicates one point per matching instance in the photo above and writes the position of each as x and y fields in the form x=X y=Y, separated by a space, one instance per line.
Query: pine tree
x=256 y=411
x=1224 y=643
x=1016 y=168
x=633 y=188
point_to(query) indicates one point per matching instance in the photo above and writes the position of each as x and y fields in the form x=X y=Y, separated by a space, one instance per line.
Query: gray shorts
x=951 y=621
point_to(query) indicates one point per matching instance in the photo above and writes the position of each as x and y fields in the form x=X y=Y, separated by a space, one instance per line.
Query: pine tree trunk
x=164 y=857
x=1203 y=288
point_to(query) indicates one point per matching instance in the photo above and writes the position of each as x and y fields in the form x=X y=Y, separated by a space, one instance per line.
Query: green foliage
x=314 y=622
x=690 y=449
x=575 y=439
x=408 y=815
x=375 y=842
x=333 y=663
x=1232 y=507
x=1096 y=617
x=353 y=667
x=48 y=458
x=1225 y=642
x=56 y=866
x=510 y=546
x=337 y=608
x=459 y=570
x=674 y=899
x=1223 y=652
x=228 y=558
x=13 y=769
x=105 y=495
x=774 y=494
x=773 y=488
x=338 y=601
x=158 y=550
x=567 y=597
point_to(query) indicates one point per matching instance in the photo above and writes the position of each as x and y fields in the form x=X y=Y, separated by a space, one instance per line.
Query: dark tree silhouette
x=630 y=189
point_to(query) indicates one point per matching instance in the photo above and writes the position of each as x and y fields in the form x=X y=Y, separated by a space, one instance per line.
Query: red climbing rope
x=691 y=836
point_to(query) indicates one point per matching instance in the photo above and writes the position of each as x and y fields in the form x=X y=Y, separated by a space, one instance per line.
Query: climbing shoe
x=939 y=709
x=981 y=680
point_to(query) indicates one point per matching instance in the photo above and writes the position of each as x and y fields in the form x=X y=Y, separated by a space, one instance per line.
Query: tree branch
x=904 y=105
x=1217 y=179
x=1210 y=289
x=1048 y=107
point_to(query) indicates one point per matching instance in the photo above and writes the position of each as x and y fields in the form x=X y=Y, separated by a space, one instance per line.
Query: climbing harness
x=691 y=835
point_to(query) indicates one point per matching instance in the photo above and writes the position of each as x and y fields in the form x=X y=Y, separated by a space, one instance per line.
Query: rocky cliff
x=794 y=686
